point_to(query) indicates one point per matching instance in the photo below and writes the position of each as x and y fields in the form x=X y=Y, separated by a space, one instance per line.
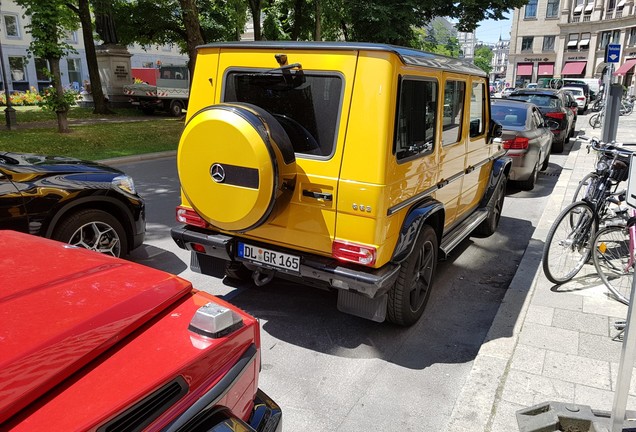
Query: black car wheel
x=528 y=184
x=94 y=230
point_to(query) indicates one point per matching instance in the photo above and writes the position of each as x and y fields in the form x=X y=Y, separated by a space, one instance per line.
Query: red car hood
x=52 y=323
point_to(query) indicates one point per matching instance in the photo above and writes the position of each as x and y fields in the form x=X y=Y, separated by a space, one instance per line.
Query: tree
x=50 y=22
x=483 y=58
x=438 y=37
x=82 y=10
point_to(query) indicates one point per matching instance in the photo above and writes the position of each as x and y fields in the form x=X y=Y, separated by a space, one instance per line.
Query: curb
x=138 y=158
x=476 y=406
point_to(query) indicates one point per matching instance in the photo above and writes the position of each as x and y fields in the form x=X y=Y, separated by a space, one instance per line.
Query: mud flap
x=373 y=309
x=207 y=265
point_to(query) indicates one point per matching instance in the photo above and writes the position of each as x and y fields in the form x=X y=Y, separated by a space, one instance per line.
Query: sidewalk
x=548 y=343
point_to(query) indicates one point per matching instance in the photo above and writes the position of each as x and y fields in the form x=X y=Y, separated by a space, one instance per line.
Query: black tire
x=546 y=162
x=557 y=147
x=595 y=121
x=583 y=186
x=410 y=293
x=568 y=244
x=528 y=184
x=175 y=108
x=94 y=230
x=237 y=271
x=495 y=207
x=612 y=261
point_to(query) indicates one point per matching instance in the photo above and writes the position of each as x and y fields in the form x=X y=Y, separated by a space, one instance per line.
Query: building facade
x=467 y=43
x=25 y=72
x=567 y=39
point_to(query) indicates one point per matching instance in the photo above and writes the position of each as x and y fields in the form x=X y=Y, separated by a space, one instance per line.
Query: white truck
x=164 y=89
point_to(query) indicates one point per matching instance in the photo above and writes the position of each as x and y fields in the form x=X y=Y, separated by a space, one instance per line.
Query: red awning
x=546 y=69
x=573 y=68
x=524 y=70
x=625 y=67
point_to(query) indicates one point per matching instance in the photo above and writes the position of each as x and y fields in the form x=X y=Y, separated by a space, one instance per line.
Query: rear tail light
x=188 y=216
x=581 y=98
x=352 y=252
x=556 y=115
x=519 y=143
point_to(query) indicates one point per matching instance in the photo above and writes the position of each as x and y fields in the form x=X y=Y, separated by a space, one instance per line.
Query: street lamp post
x=9 y=111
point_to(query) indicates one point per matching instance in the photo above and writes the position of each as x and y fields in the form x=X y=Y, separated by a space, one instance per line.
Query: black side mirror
x=495 y=130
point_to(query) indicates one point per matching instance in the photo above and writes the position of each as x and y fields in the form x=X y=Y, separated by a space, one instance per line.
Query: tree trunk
x=62 y=121
x=255 y=10
x=100 y=106
x=298 y=13
x=194 y=37
x=318 y=28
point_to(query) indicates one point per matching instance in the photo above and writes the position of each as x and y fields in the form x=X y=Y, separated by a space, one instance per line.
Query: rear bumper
x=314 y=269
x=266 y=415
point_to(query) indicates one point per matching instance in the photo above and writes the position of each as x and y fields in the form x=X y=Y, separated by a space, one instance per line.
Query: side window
x=454 y=92
x=416 y=118
x=477 y=110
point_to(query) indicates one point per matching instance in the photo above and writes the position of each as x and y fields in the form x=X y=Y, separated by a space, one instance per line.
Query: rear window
x=509 y=116
x=544 y=101
x=307 y=105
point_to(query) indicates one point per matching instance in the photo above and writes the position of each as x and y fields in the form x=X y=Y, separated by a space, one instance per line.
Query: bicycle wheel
x=567 y=246
x=613 y=261
x=595 y=121
x=584 y=186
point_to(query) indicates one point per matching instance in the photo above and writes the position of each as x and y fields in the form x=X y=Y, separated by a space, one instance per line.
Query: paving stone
x=580 y=321
x=577 y=369
x=562 y=300
x=599 y=347
x=505 y=419
x=598 y=399
x=540 y=315
x=604 y=306
x=632 y=386
x=550 y=338
x=530 y=389
x=528 y=359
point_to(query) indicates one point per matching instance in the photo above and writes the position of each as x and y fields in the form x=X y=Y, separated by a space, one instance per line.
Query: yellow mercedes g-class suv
x=350 y=166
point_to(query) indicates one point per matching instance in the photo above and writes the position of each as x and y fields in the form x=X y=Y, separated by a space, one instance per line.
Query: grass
x=95 y=141
x=29 y=114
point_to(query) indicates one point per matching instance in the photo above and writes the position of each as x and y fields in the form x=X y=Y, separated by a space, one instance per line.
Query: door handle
x=318 y=195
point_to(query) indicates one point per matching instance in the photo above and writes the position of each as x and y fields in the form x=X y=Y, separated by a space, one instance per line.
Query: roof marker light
x=214 y=321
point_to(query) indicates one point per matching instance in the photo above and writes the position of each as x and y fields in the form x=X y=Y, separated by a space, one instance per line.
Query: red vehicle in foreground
x=92 y=342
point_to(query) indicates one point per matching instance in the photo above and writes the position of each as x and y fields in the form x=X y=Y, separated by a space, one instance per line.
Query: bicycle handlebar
x=611 y=148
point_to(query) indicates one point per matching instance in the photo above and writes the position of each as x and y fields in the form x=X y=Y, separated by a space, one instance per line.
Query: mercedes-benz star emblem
x=217 y=172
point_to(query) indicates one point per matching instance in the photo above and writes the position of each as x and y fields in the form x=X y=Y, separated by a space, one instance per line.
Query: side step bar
x=461 y=231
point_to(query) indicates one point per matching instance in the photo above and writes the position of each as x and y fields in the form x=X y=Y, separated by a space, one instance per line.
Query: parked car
x=507 y=92
x=580 y=83
x=295 y=172
x=579 y=97
x=78 y=202
x=527 y=138
x=554 y=105
x=95 y=343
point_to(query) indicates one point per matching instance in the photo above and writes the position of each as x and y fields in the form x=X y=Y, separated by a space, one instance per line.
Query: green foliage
x=437 y=38
x=51 y=102
x=483 y=58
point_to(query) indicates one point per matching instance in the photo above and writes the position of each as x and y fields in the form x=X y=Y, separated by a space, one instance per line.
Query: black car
x=77 y=202
x=554 y=105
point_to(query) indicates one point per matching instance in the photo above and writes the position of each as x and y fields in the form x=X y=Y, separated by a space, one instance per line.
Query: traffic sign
x=612 y=53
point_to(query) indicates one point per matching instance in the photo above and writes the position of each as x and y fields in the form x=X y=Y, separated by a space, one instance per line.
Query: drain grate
x=550 y=173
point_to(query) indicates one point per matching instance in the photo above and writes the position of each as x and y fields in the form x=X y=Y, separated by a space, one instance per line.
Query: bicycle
x=596 y=120
x=613 y=256
x=569 y=242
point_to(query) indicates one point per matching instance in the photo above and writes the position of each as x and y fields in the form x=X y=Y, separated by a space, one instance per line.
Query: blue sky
x=489 y=30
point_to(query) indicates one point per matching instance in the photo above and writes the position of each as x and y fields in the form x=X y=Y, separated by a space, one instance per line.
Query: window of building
x=548 y=43
x=417 y=117
x=608 y=37
x=531 y=9
x=477 y=110
x=578 y=8
x=42 y=69
x=526 y=43
x=573 y=41
x=611 y=4
x=631 y=38
x=74 y=72
x=17 y=68
x=454 y=92
x=11 y=26
x=552 y=10
x=584 y=43
x=71 y=37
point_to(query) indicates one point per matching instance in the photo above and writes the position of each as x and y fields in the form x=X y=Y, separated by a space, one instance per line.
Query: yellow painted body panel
x=363 y=175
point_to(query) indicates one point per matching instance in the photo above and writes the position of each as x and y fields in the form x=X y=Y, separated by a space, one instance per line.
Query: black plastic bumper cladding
x=313 y=268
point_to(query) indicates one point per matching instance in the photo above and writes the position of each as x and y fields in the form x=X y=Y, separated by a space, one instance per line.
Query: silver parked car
x=526 y=137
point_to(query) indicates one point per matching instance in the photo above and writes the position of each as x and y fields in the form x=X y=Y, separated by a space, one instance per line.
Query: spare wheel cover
x=233 y=162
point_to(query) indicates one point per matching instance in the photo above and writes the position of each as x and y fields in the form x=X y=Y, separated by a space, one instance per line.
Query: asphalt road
x=334 y=372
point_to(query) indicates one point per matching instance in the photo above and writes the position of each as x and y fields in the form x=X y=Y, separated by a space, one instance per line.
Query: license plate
x=269 y=257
